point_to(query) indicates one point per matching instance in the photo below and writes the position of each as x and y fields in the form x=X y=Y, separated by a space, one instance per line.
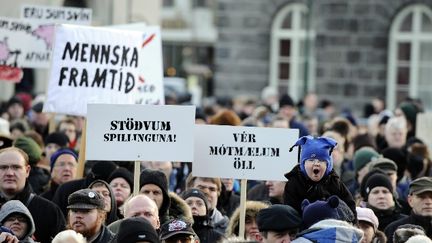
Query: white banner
x=105 y=66
x=244 y=152
x=140 y=132
x=25 y=44
x=56 y=15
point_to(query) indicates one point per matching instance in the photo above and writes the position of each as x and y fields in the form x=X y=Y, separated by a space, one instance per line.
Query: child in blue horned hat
x=314 y=177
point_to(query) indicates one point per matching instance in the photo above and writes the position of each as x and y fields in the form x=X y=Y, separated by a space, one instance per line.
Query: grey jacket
x=15 y=206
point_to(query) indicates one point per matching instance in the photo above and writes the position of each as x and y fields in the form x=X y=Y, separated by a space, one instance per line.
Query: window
x=291 y=65
x=410 y=56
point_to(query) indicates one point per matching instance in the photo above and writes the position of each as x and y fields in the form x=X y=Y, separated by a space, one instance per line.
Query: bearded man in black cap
x=86 y=215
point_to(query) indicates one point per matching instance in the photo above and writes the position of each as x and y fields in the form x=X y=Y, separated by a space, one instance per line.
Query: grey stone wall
x=350 y=47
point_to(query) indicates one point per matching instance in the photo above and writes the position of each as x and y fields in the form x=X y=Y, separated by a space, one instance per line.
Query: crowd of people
x=358 y=179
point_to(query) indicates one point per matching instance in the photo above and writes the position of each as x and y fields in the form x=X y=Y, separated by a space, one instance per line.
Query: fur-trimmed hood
x=179 y=208
x=330 y=231
x=252 y=209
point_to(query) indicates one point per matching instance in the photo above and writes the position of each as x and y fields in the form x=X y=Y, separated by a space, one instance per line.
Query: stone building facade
x=349 y=50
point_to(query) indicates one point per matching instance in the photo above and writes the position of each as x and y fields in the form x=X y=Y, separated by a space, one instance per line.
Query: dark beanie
x=59 y=152
x=124 y=173
x=30 y=147
x=286 y=100
x=58 y=138
x=193 y=192
x=103 y=169
x=158 y=178
x=136 y=229
x=319 y=210
x=399 y=157
x=363 y=185
x=376 y=180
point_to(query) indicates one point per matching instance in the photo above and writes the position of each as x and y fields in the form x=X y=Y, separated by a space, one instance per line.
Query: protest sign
x=140 y=132
x=24 y=44
x=424 y=128
x=105 y=66
x=244 y=152
x=56 y=15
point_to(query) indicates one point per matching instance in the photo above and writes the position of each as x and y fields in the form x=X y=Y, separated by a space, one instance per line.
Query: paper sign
x=24 y=43
x=244 y=152
x=140 y=132
x=105 y=66
x=57 y=15
x=424 y=128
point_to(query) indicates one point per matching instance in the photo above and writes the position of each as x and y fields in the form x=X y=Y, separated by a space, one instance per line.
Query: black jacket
x=205 y=231
x=105 y=236
x=49 y=194
x=386 y=217
x=423 y=221
x=46 y=215
x=228 y=201
x=38 y=179
x=299 y=187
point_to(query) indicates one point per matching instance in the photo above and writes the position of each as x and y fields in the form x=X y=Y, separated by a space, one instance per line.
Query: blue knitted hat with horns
x=315 y=148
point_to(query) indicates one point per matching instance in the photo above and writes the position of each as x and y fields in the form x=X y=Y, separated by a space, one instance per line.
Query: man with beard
x=86 y=216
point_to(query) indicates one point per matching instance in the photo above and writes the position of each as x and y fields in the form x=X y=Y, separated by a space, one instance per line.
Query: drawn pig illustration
x=4 y=51
x=46 y=33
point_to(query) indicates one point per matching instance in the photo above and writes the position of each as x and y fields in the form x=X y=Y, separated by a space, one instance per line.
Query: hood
x=330 y=231
x=15 y=206
x=252 y=209
x=178 y=208
x=111 y=215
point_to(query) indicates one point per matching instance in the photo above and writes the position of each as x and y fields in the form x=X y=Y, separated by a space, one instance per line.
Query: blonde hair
x=69 y=236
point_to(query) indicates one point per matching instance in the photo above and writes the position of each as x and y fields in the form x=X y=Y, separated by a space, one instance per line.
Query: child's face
x=315 y=169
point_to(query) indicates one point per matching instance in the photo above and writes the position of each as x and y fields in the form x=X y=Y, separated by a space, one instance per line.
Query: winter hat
x=366 y=214
x=85 y=199
x=362 y=188
x=278 y=218
x=30 y=147
x=286 y=100
x=315 y=148
x=136 y=229
x=384 y=164
x=59 y=152
x=410 y=111
x=363 y=156
x=415 y=164
x=158 y=178
x=319 y=210
x=399 y=157
x=58 y=138
x=405 y=231
x=193 y=192
x=420 y=185
x=375 y=180
x=103 y=169
x=122 y=173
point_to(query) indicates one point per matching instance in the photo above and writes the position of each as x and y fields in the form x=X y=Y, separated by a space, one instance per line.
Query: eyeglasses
x=12 y=167
x=20 y=218
x=64 y=164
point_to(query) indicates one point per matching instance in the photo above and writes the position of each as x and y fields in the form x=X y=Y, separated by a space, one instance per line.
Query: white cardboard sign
x=105 y=66
x=140 y=132
x=244 y=152
x=56 y=15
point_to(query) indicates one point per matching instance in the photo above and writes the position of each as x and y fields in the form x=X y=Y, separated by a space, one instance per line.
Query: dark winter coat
x=49 y=194
x=106 y=236
x=228 y=201
x=386 y=217
x=38 y=179
x=300 y=187
x=47 y=216
x=425 y=222
x=205 y=231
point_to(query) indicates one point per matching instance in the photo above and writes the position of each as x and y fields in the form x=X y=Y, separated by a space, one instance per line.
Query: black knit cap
x=103 y=169
x=136 y=229
x=124 y=173
x=278 y=218
x=286 y=100
x=58 y=138
x=378 y=179
x=158 y=178
x=193 y=192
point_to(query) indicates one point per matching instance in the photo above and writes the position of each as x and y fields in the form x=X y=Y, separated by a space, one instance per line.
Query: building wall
x=350 y=46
